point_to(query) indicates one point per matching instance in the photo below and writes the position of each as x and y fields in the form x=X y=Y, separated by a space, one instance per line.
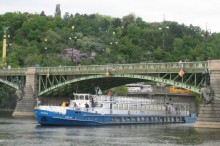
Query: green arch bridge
x=67 y=79
x=64 y=80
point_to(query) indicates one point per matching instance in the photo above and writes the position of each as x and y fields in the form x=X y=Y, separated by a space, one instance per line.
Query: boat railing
x=103 y=111
x=149 y=109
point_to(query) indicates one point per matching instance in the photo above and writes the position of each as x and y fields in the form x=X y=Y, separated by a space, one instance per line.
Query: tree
x=58 y=11
x=121 y=90
x=66 y=16
x=158 y=54
x=178 y=49
x=134 y=40
x=42 y=13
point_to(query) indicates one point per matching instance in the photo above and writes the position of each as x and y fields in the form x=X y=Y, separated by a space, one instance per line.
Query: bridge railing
x=125 y=68
x=113 y=68
x=12 y=71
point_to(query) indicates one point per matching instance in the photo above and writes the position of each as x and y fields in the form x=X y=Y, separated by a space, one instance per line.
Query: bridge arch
x=9 y=84
x=135 y=77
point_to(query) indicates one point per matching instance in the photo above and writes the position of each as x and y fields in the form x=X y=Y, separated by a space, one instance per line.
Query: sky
x=202 y=13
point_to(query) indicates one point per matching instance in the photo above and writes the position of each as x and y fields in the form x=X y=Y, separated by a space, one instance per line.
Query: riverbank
x=6 y=112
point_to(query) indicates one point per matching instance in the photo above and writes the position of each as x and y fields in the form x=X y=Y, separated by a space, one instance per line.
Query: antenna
x=77 y=87
x=164 y=17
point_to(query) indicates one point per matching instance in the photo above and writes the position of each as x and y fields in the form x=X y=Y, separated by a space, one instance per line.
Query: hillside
x=98 y=39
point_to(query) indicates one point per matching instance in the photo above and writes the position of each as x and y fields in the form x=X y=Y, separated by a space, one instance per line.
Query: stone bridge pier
x=25 y=106
x=209 y=114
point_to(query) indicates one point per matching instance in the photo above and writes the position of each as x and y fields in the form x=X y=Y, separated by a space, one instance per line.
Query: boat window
x=86 y=97
x=135 y=107
x=112 y=119
x=81 y=97
x=123 y=119
x=118 y=119
x=107 y=105
x=115 y=106
x=129 y=119
x=147 y=107
x=133 y=119
x=152 y=118
x=77 y=97
x=139 y=107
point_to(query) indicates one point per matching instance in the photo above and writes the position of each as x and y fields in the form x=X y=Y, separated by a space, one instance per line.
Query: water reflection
x=26 y=132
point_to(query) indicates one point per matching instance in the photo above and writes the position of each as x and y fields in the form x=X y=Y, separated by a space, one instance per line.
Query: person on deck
x=75 y=105
x=87 y=106
x=64 y=104
x=109 y=94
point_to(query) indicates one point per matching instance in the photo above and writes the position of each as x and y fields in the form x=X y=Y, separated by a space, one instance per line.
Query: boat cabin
x=139 y=88
x=82 y=100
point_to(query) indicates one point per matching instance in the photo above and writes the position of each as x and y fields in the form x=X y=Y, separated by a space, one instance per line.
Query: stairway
x=25 y=107
x=209 y=116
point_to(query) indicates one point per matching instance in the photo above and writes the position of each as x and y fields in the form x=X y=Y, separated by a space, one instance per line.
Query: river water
x=27 y=132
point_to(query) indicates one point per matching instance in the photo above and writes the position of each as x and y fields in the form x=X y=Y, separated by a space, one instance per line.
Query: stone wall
x=209 y=114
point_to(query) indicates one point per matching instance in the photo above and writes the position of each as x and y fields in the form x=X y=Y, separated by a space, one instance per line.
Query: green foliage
x=7 y=99
x=58 y=11
x=102 y=40
x=197 y=101
x=2 y=94
x=121 y=90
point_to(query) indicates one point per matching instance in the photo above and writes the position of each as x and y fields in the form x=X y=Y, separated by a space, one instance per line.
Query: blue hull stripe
x=86 y=119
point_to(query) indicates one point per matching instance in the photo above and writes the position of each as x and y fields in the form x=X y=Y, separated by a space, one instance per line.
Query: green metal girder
x=16 y=82
x=170 y=67
x=179 y=83
x=10 y=84
x=52 y=78
x=48 y=81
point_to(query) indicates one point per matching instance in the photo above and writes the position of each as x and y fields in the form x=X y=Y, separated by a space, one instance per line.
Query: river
x=27 y=132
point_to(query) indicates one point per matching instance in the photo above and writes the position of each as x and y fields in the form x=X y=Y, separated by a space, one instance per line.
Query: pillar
x=25 y=106
x=209 y=114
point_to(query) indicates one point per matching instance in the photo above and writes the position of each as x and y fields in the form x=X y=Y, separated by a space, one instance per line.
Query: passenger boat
x=86 y=109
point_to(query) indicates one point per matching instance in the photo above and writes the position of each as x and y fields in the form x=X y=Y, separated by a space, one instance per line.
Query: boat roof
x=81 y=94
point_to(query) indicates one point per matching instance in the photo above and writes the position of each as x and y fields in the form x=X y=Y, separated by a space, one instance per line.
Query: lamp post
x=113 y=43
x=206 y=35
x=74 y=39
x=74 y=44
x=163 y=28
x=45 y=40
x=207 y=32
x=4 y=46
